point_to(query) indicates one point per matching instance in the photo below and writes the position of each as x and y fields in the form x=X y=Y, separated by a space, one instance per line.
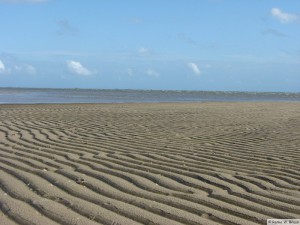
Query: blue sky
x=151 y=44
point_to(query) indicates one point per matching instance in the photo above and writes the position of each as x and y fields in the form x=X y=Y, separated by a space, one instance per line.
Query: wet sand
x=160 y=163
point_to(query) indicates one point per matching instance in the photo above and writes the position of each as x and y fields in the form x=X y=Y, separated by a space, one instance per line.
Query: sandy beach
x=156 y=163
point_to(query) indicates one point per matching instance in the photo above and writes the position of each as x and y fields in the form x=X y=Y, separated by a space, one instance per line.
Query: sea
x=45 y=95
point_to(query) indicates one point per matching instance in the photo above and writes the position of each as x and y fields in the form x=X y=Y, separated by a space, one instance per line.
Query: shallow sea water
x=36 y=96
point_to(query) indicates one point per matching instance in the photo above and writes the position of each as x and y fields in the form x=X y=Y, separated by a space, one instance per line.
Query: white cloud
x=143 y=50
x=208 y=66
x=130 y=72
x=77 y=68
x=30 y=69
x=152 y=73
x=194 y=68
x=2 y=67
x=25 y=68
x=283 y=17
x=11 y=65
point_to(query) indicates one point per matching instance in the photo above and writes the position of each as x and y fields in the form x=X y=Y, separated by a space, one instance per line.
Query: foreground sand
x=181 y=163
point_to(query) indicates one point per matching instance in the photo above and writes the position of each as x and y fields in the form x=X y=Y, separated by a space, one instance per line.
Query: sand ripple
x=179 y=163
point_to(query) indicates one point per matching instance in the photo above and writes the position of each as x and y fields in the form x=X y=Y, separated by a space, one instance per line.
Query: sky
x=213 y=45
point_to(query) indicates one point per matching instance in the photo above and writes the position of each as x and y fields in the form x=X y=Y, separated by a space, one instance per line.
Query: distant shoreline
x=150 y=90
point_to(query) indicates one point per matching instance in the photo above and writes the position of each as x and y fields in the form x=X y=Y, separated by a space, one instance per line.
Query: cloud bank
x=77 y=68
x=194 y=68
x=283 y=17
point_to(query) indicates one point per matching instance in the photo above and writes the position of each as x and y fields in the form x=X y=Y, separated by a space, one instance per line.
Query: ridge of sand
x=163 y=163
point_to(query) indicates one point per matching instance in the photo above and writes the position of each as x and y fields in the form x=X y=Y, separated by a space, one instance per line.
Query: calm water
x=31 y=95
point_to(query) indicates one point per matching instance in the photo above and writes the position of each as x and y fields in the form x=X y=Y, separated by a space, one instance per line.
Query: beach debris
x=80 y=180
x=92 y=217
